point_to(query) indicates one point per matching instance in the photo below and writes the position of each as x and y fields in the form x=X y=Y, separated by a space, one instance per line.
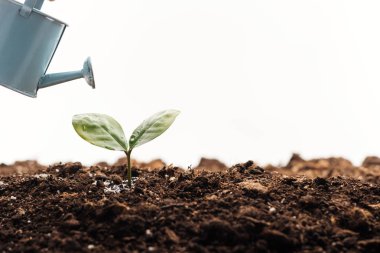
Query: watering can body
x=28 y=41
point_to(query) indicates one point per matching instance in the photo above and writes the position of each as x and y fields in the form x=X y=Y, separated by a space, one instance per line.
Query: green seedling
x=104 y=131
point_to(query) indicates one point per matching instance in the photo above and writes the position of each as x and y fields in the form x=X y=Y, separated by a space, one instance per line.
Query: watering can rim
x=40 y=13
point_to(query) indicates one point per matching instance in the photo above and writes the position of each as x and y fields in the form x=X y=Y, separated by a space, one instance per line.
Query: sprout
x=104 y=131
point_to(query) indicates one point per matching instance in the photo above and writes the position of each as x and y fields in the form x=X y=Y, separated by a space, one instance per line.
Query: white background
x=254 y=80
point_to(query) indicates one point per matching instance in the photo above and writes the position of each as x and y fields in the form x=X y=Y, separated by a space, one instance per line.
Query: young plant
x=104 y=131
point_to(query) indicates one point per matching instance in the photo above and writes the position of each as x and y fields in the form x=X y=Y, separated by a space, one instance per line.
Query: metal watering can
x=28 y=41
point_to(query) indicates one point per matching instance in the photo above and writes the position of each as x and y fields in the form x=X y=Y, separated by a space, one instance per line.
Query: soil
x=320 y=205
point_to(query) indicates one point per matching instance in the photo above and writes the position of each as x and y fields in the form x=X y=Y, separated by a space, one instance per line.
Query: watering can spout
x=57 y=78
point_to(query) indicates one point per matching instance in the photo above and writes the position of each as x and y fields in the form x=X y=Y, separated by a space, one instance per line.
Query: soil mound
x=322 y=205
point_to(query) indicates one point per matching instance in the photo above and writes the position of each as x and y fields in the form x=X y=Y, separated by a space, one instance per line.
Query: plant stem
x=129 y=169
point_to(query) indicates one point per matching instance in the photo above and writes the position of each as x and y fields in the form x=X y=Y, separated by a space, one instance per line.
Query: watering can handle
x=29 y=5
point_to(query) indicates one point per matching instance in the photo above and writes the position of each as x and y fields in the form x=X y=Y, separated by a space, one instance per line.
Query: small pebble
x=272 y=210
x=13 y=198
x=91 y=246
x=148 y=232
x=151 y=248
x=43 y=175
x=21 y=211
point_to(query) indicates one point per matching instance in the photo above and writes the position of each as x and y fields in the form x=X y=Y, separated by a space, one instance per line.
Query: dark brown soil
x=322 y=205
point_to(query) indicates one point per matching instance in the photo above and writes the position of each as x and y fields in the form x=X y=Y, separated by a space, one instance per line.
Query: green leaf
x=152 y=127
x=100 y=130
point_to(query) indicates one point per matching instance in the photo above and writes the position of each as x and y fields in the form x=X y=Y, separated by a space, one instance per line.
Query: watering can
x=28 y=41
